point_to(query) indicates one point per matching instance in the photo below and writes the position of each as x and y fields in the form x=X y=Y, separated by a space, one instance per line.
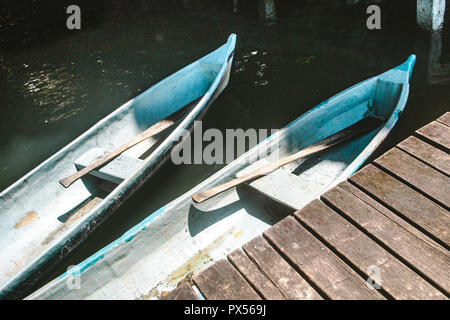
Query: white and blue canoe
x=41 y=221
x=183 y=238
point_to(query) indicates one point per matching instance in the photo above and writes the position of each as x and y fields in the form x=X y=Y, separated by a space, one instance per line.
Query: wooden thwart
x=156 y=128
x=285 y=278
x=417 y=174
x=153 y=130
x=425 y=258
x=115 y=171
x=254 y=276
x=329 y=273
x=396 y=279
x=222 y=282
x=410 y=204
x=430 y=155
x=183 y=292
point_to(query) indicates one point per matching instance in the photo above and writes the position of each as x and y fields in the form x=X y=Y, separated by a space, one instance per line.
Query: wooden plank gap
x=426 y=153
x=413 y=207
x=256 y=277
x=354 y=247
x=403 y=245
x=445 y=119
x=323 y=294
x=221 y=281
x=437 y=134
x=313 y=258
x=283 y=275
x=347 y=261
x=418 y=226
x=427 y=181
x=373 y=203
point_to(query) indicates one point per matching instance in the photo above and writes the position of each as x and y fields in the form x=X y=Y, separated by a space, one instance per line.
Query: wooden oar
x=363 y=126
x=153 y=130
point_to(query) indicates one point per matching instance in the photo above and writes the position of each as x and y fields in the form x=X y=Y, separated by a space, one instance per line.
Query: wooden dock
x=383 y=234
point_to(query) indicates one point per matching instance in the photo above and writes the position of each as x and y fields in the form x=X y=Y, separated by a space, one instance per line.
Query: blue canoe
x=183 y=238
x=41 y=221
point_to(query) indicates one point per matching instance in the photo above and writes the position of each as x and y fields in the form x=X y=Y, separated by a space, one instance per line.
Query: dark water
x=56 y=83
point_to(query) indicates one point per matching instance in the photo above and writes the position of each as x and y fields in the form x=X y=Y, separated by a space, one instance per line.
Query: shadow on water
x=290 y=56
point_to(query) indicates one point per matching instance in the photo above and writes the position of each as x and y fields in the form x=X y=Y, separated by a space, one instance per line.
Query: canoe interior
x=183 y=238
x=37 y=213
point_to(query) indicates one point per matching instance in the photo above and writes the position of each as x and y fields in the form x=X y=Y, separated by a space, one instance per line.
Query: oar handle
x=205 y=195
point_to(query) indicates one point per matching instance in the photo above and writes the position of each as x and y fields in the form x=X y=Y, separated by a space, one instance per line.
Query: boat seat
x=114 y=171
x=284 y=186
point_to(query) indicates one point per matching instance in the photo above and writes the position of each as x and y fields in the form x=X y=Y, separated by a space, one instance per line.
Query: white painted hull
x=183 y=238
x=42 y=221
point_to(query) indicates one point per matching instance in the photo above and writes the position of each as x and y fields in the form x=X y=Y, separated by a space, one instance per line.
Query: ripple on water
x=55 y=93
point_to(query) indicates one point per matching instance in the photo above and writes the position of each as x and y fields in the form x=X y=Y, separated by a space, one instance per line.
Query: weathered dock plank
x=254 y=276
x=410 y=204
x=436 y=133
x=222 y=282
x=417 y=174
x=329 y=273
x=425 y=152
x=396 y=279
x=345 y=185
x=420 y=255
x=183 y=292
x=285 y=278
x=392 y=216
x=445 y=119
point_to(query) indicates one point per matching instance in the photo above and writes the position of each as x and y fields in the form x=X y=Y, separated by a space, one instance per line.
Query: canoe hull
x=29 y=261
x=183 y=238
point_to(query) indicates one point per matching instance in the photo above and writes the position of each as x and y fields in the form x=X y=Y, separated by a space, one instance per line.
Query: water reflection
x=54 y=93
x=314 y=50
x=235 y=6
x=267 y=10
x=254 y=60
x=438 y=73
